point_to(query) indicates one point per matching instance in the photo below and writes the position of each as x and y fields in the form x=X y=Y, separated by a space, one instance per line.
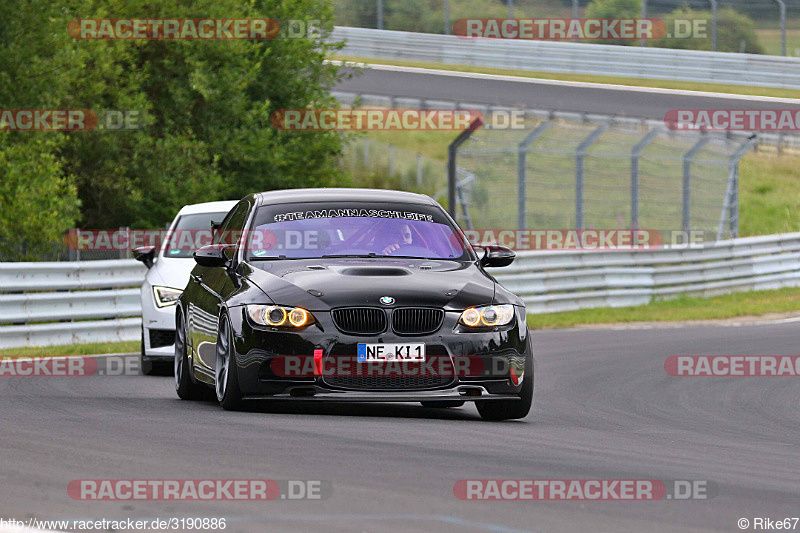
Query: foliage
x=733 y=28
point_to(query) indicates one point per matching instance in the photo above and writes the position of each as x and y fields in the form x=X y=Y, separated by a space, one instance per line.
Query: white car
x=168 y=275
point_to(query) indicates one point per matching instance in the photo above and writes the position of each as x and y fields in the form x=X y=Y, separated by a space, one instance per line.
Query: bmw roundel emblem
x=387 y=300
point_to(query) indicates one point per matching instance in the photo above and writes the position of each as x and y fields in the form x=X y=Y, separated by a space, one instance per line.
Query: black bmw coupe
x=351 y=295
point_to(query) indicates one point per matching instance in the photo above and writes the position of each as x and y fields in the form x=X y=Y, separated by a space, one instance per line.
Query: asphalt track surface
x=543 y=94
x=604 y=408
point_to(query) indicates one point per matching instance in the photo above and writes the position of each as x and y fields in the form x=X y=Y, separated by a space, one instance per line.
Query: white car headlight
x=276 y=315
x=489 y=316
x=166 y=296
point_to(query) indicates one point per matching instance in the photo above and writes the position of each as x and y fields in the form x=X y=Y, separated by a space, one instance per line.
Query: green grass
x=72 y=349
x=755 y=303
x=633 y=82
x=770 y=39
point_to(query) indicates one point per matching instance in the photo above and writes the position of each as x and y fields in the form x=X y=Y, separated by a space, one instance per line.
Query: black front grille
x=161 y=337
x=389 y=383
x=360 y=320
x=374 y=376
x=414 y=321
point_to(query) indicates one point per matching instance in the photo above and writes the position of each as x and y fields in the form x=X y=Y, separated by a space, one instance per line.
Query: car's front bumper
x=257 y=348
x=158 y=324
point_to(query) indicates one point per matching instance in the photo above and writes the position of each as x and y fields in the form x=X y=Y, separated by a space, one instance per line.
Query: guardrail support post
x=452 y=153
x=522 y=178
x=687 y=179
x=635 y=153
x=580 y=154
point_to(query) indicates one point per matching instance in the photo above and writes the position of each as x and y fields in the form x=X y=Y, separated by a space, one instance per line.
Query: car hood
x=324 y=284
x=171 y=272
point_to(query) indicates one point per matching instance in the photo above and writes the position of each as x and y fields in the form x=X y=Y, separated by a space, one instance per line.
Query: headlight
x=482 y=317
x=166 y=296
x=276 y=315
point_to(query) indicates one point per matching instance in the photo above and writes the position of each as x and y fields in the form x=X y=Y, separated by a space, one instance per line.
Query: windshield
x=190 y=233
x=353 y=229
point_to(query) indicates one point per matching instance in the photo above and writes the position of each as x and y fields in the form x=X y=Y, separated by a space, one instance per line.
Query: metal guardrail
x=581 y=58
x=553 y=281
x=101 y=304
x=46 y=304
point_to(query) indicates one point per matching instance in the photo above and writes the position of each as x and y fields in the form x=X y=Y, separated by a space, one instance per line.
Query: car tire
x=186 y=388
x=512 y=409
x=145 y=366
x=226 y=375
x=441 y=404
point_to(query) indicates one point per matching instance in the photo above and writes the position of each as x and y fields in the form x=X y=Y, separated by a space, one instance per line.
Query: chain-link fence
x=559 y=175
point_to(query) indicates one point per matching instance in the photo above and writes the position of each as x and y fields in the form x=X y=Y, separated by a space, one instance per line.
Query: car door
x=215 y=284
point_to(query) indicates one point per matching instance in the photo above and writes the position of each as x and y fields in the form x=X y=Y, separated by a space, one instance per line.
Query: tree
x=733 y=28
x=38 y=198
x=205 y=111
x=614 y=9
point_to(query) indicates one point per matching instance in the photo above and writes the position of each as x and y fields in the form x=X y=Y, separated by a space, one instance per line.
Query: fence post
x=366 y=152
x=635 y=153
x=522 y=178
x=419 y=170
x=575 y=14
x=714 y=25
x=644 y=16
x=447 y=17
x=391 y=160
x=782 y=5
x=687 y=177
x=731 y=202
x=380 y=14
x=580 y=154
x=123 y=254
x=452 y=152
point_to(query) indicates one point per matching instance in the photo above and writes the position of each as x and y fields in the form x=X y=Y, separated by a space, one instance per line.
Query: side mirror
x=497 y=256
x=212 y=256
x=145 y=254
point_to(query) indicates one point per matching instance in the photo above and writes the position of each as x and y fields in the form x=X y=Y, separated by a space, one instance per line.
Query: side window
x=230 y=230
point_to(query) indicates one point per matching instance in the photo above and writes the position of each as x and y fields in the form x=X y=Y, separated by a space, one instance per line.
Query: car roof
x=208 y=207
x=341 y=194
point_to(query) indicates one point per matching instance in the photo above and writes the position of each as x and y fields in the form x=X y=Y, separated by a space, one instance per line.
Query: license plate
x=391 y=352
